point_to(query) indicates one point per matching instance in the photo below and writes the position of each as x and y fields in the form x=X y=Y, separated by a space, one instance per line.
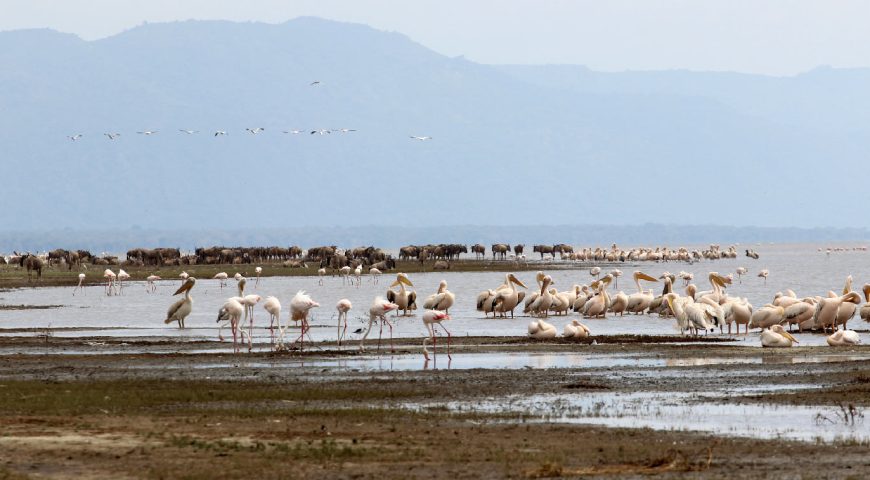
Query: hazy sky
x=761 y=36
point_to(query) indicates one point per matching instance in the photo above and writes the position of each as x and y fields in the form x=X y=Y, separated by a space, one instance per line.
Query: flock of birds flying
x=251 y=130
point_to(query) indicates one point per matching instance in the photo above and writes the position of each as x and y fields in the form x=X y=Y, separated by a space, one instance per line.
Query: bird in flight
x=255 y=130
x=294 y=132
x=421 y=138
x=345 y=130
x=322 y=131
x=112 y=136
x=74 y=137
x=148 y=132
x=314 y=83
x=189 y=132
x=220 y=132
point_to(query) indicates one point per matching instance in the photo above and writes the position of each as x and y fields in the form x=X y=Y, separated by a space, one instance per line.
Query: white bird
x=357 y=273
x=776 y=336
x=221 y=277
x=576 y=330
x=441 y=300
x=256 y=130
x=844 y=338
x=74 y=137
x=422 y=139
x=150 y=283
x=258 y=270
x=79 y=286
x=376 y=275
x=183 y=276
x=220 y=132
x=112 y=136
x=320 y=273
x=430 y=318
x=179 y=310
x=321 y=131
x=122 y=275
x=740 y=272
x=595 y=272
x=541 y=329
x=294 y=131
x=343 y=306
x=378 y=311
x=189 y=132
x=764 y=273
x=110 y=277
x=273 y=306
x=346 y=130
x=231 y=312
x=404 y=299
x=299 y=307
x=316 y=82
x=147 y=132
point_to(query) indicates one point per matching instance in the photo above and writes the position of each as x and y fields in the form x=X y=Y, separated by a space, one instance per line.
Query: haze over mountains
x=512 y=145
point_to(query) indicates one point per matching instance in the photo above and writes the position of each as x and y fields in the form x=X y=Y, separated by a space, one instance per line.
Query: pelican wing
x=173 y=309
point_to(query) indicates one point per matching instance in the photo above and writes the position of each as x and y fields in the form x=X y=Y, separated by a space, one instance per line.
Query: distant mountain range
x=512 y=145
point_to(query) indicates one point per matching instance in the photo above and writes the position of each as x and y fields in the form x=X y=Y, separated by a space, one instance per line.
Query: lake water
x=138 y=313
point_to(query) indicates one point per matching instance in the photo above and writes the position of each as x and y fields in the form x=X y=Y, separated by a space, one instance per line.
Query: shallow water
x=799 y=267
x=679 y=411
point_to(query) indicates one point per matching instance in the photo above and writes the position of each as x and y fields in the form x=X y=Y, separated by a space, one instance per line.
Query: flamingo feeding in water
x=430 y=318
x=273 y=306
x=343 y=306
x=79 y=286
x=299 y=307
x=378 y=311
x=258 y=270
x=150 y=283
x=110 y=276
x=231 y=312
x=221 y=277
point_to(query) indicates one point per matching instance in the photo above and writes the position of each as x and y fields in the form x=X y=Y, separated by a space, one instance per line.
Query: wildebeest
x=478 y=250
x=500 y=250
x=518 y=249
x=32 y=262
x=544 y=249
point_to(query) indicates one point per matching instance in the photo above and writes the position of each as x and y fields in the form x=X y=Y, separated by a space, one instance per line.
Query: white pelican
x=485 y=302
x=507 y=297
x=847 y=308
x=596 y=305
x=689 y=315
x=740 y=272
x=441 y=300
x=844 y=338
x=256 y=130
x=220 y=132
x=147 y=132
x=776 y=336
x=865 y=309
x=640 y=301
x=576 y=330
x=299 y=307
x=376 y=275
x=258 y=271
x=75 y=137
x=430 y=318
x=739 y=312
x=320 y=273
x=801 y=313
x=179 y=310
x=828 y=309
x=422 y=139
x=150 y=283
x=540 y=329
x=221 y=278
x=273 y=306
x=110 y=276
x=406 y=300
x=619 y=304
x=561 y=301
x=112 y=136
x=343 y=306
x=79 y=286
x=231 y=311
x=763 y=274
x=378 y=311
x=767 y=316
x=541 y=305
x=189 y=132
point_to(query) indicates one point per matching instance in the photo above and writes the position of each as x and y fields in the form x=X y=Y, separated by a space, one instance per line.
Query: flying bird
x=322 y=131
x=74 y=137
x=189 y=132
x=316 y=82
x=112 y=136
x=148 y=132
x=294 y=132
x=220 y=132
x=255 y=131
x=346 y=130
x=422 y=139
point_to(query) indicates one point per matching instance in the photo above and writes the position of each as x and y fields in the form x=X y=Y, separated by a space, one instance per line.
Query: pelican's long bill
x=186 y=286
